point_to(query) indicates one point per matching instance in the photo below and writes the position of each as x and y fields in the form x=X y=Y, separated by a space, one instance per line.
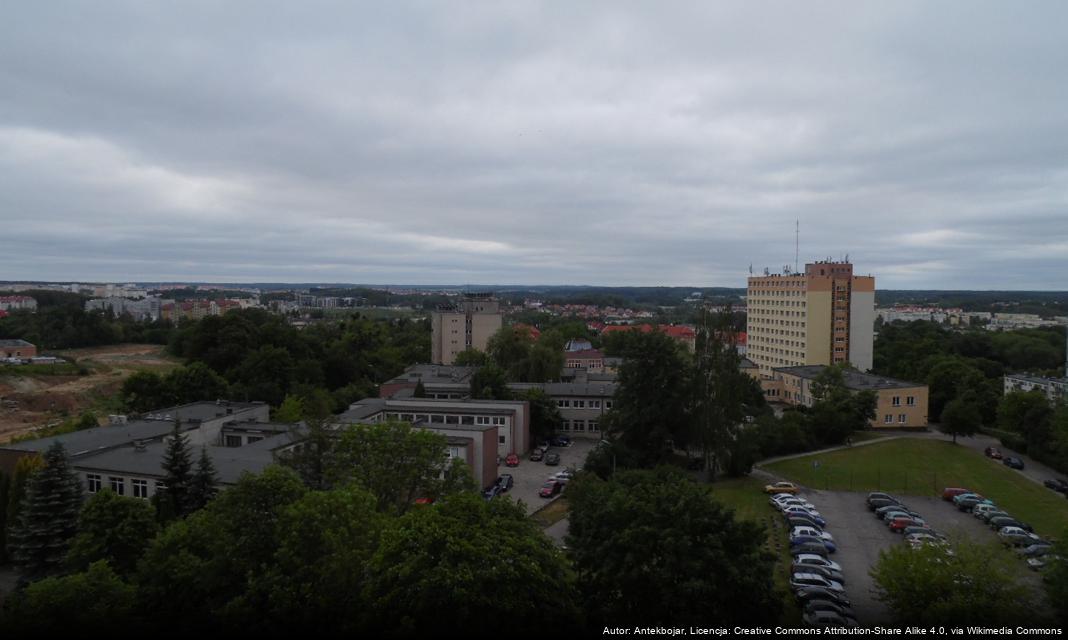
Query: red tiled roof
x=533 y=331
x=676 y=331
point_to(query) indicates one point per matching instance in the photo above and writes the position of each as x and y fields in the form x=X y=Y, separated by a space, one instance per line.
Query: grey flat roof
x=16 y=342
x=230 y=462
x=201 y=411
x=853 y=379
x=368 y=407
x=435 y=373
x=580 y=389
x=80 y=443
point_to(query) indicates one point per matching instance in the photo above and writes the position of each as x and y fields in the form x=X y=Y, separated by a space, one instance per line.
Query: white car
x=980 y=509
x=811 y=531
x=563 y=477
x=791 y=501
x=817 y=561
x=796 y=508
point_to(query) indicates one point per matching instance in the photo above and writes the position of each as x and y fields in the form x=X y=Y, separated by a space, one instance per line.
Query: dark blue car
x=827 y=544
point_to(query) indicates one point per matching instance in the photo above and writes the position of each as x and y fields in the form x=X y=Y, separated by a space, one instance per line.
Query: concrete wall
x=818 y=329
x=861 y=323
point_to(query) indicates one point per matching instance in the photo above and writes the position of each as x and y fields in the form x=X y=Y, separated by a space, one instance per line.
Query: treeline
x=1044 y=303
x=192 y=293
x=1031 y=425
x=964 y=369
x=257 y=355
x=61 y=322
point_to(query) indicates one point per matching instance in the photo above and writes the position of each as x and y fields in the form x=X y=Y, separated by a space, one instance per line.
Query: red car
x=550 y=489
x=992 y=452
x=897 y=525
x=512 y=460
x=952 y=492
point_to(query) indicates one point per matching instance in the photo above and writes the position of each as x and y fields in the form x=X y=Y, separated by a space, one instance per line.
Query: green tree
x=837 y=412
x=1056 y=577
x=431 y=572
x=961 y=416
x=419 y=391
x=96 y=600
x=509 y=349
x=318 y=575
x=471 y=357
x=490 y=383
x=545 y=418
x=48 y=519
x=976 y=585
x=174 y=499
x=311 y=458
x=195 y=383
x=653 y=547
x=204 y=483
x=1029 y=414
x=195 y=575
x=144 y=391
x=396 y=463
x=721 y=391
x=291 y=410
x=652 y=403
x=114 y=529
x=11 y=504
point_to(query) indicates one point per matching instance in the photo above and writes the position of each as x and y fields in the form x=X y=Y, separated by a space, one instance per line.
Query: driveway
x=529 y=476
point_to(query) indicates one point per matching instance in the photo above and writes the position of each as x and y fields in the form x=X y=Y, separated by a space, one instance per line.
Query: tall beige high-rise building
x=824 y=316
x=468 y=324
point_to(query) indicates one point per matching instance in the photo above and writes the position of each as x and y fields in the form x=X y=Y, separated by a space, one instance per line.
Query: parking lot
x=860 y=536
x=529 y=476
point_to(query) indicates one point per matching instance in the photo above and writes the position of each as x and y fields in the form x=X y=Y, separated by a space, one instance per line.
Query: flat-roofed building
x=899 y=404
x=823 y=316
x=486 y=429
x=1055 y=389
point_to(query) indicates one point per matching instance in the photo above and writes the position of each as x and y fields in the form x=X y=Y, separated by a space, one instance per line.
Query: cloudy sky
x=534 y=143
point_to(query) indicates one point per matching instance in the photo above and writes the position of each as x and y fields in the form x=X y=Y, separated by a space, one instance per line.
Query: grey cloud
x=601 y=143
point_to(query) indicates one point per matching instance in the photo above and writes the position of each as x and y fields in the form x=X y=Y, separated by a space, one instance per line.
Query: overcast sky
x=534 y=143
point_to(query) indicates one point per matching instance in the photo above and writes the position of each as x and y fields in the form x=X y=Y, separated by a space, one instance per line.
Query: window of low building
x=140 y=488
x=118 y=485
x=92 y=482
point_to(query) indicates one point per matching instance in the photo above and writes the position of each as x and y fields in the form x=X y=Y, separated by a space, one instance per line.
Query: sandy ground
x=31 y=401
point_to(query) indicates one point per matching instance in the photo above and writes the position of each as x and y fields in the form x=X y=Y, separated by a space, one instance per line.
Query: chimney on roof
x=139 y=446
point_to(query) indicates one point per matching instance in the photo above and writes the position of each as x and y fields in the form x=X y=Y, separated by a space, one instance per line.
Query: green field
x=746 y=496
x=914 y=466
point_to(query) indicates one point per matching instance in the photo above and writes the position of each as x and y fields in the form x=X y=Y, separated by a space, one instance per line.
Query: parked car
x=561 y=441
x=920 y=539
x=552 y=459
x=790 y=501
x=1057 y=484
x=1037 y=564
x=781 y=487
x=550 y=489
x=826 y=572
x=952 y=492
x=979 y=509
x=1000 y=522
x=1035 y=550
x=897 y=506
x=564 y=475
x=512 y=460
x=1017 y=537
x=811 y=548
x=812 y=559
x=811 y=531
x=799 y=540
x=990 y=515
x=969 y=503
x=804 y=580
x=815 y=519
x=889 y=516
x=808 y=594
x=537 y=454
x=844 y=611
x=1015 y=463
x=897 y=525
x=924 y=529
x=492 y=492
x=505 y=482
x=992 y=452
x=824 y=619
x=801 y=521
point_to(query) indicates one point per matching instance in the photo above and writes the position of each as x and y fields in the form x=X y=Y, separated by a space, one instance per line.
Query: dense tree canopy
x=48 y=517
x=654 y=547
x=114 y=529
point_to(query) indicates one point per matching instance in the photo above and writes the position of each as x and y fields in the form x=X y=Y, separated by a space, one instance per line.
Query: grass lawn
x=746 y=496
x=913 y=466
x=551 y=513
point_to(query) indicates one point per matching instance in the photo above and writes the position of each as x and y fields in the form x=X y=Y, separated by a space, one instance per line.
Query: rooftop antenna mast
x=797 y=244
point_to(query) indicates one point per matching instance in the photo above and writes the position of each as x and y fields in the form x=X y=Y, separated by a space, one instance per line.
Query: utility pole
x=797 y=244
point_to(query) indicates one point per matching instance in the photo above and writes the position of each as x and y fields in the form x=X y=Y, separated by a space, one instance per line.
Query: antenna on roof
x=797 y=243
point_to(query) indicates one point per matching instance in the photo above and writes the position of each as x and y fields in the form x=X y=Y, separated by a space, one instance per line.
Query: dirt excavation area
x=30 y=400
